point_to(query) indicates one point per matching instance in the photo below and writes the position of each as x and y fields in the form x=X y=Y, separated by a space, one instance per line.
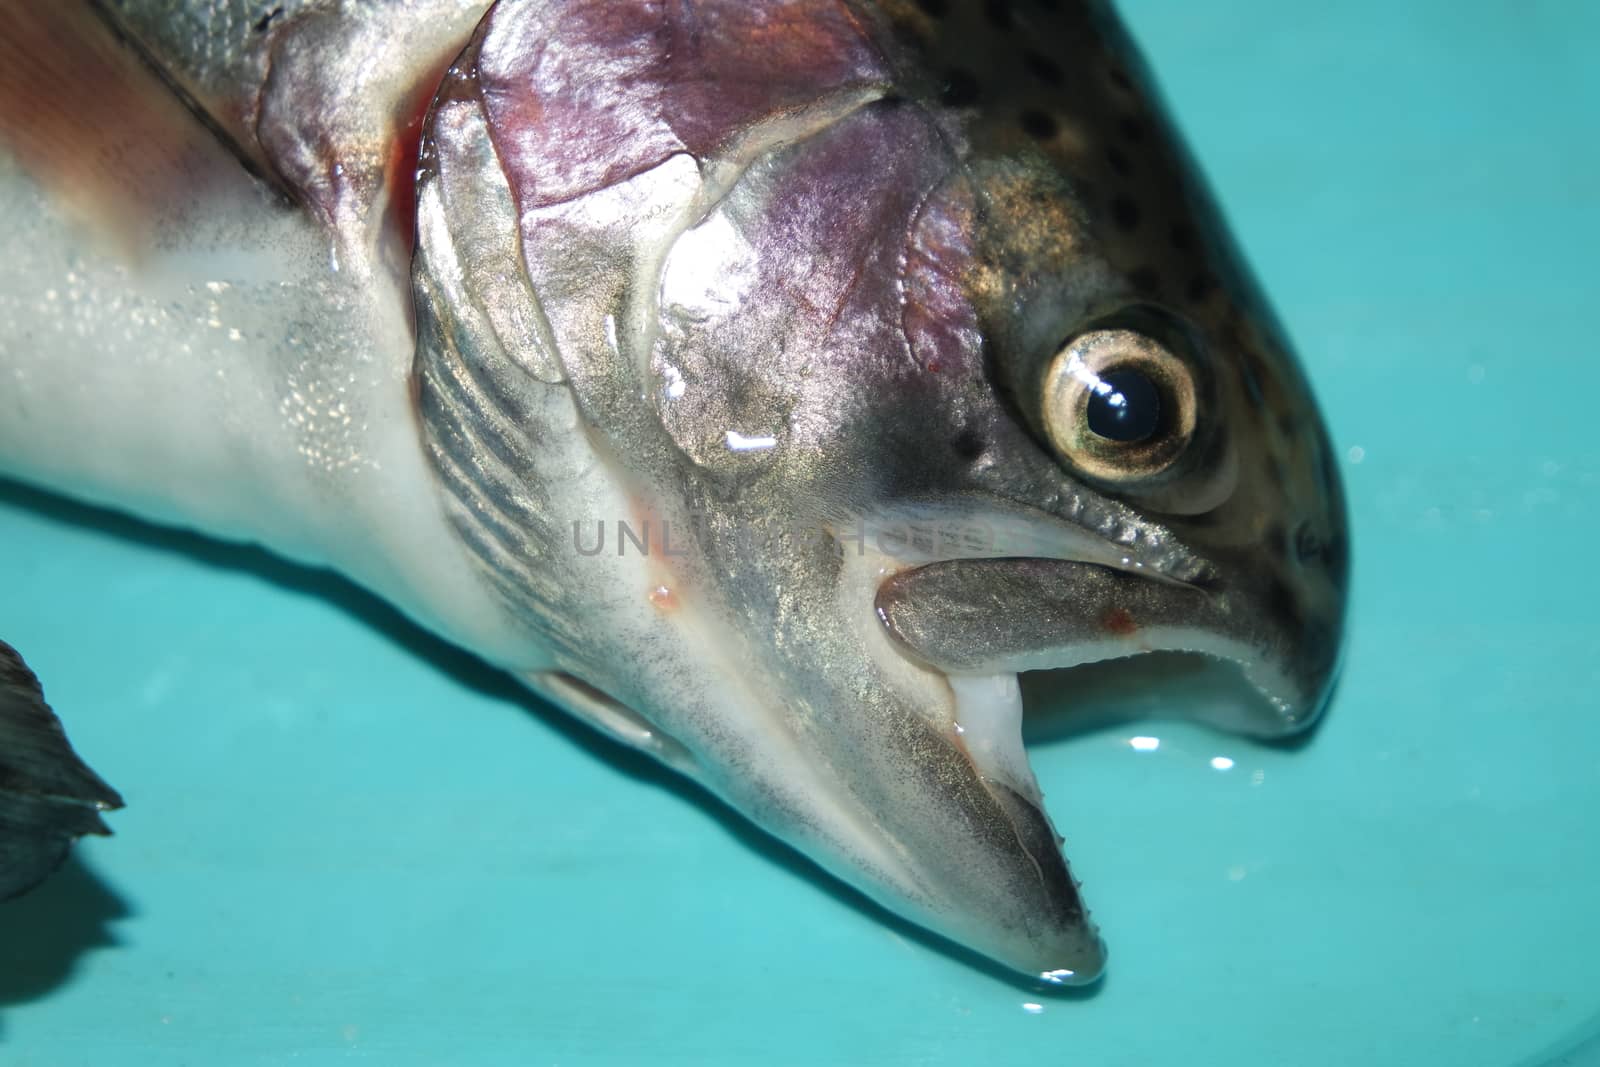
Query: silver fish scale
x=217 y=45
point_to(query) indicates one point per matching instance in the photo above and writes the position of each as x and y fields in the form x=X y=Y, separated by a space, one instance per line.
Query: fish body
x=765 y=383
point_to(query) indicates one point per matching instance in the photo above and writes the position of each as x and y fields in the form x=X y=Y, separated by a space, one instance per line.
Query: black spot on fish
x=1146 y=280
x=968 y=445
x=1125 y=213
x=1043 y=67
x=1120 y=79
x=998 y=12
x=1119 y=162
x=265 y=21
x=960 y=88
x=1038 y=125
x=1200 y=287
x=1308 y=544
x=1182 y=236
x=934 y=8
x=1132 y=129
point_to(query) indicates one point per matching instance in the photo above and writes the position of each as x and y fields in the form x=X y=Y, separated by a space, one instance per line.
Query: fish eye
x=1119 y=406
x=1124 y=406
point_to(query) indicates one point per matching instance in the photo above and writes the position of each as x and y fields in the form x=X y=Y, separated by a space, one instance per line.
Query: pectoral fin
x=48 y=796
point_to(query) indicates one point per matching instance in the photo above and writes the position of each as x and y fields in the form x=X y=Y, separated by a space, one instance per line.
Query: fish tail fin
x=48 y=796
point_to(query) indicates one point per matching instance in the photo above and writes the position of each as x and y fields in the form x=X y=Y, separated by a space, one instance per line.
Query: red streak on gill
x=400 y=173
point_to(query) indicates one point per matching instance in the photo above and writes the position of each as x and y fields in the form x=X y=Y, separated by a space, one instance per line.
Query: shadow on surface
x=1579 y=1050
x=62 y=893
x=44 y=933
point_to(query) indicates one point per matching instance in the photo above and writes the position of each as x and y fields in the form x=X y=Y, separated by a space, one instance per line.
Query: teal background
x=346 y=841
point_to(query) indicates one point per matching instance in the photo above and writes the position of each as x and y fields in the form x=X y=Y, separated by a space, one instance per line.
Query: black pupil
x=1127 y=407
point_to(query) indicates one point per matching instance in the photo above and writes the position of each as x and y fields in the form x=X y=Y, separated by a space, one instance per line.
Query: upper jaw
x=1011 y=615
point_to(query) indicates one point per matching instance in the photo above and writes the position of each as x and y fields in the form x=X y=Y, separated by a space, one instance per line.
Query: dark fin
x=48 y=796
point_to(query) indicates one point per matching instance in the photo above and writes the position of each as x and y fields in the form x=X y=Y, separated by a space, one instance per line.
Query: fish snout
x=1290 y=623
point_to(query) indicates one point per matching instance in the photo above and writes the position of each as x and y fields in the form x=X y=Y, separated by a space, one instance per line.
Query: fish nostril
x=1312 y=547
x=1307 y=543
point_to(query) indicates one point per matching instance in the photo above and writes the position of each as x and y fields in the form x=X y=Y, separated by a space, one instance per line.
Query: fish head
x=902 y=395
x=1102 y=262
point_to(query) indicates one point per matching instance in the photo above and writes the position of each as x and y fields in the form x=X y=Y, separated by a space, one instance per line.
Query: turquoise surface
x=345 y=841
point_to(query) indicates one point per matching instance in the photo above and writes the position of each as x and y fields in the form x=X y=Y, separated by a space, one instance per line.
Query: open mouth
x=1067 y=632
x=1049 y=635
x=996 y=618
x=1024 y=590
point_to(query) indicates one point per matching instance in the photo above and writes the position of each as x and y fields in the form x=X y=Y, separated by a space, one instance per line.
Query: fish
x=767 y=383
